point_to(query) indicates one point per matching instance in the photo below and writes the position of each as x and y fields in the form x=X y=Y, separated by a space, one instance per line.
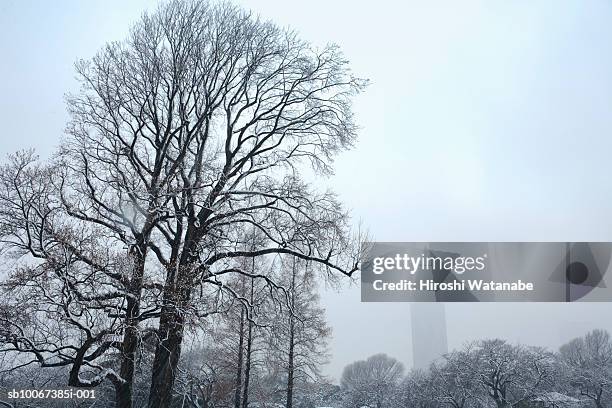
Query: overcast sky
x=485 y=121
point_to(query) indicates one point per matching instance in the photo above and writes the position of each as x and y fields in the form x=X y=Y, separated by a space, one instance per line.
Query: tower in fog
x=429 y=341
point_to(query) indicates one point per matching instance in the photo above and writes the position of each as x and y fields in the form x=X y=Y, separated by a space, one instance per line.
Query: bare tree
x=221 y=105
x=300 y=333
x=192 y=129
x=511 y=374
x=242 y=325
x=244 y=322
x=417 y=390
x=588 y=364
x=454 y=379
x=372 y=382
x=70 y=277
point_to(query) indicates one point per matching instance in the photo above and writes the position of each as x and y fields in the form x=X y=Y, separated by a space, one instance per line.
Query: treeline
x=250 y=362
x=489 y=373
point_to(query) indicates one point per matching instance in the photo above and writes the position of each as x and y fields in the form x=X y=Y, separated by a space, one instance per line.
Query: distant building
x=429 y=340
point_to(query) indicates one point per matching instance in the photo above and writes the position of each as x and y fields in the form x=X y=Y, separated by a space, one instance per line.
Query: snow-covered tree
x=191 y=130
x=372 y=382
x=511 y=374
x=72 y=296
x=299 y=334
x=587 y=363
x=416 y=390
x=453 y=380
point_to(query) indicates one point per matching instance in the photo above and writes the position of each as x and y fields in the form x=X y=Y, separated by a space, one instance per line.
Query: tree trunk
x=500 y=403
x=171 y=328
x=123 y=395
x=290 y=363
x=177 y=294
x=247 y=369
x=167 y=355
x=129 y=347
x=598 y=403
x=290 y=373
x=131 y=337
x=240 y=357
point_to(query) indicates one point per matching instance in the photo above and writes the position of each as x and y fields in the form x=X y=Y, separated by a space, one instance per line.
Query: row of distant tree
x=275 y=362
x=488 y=373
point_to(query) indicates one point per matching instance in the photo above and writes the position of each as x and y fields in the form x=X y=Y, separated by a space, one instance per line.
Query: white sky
x=485 y=120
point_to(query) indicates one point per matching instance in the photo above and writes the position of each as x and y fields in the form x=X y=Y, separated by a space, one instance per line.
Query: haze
x=485 y=121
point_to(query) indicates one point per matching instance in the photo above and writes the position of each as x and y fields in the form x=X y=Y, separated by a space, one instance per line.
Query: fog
x=484 y=121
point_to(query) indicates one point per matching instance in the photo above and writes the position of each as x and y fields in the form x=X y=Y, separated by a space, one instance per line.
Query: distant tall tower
x=429 y=341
